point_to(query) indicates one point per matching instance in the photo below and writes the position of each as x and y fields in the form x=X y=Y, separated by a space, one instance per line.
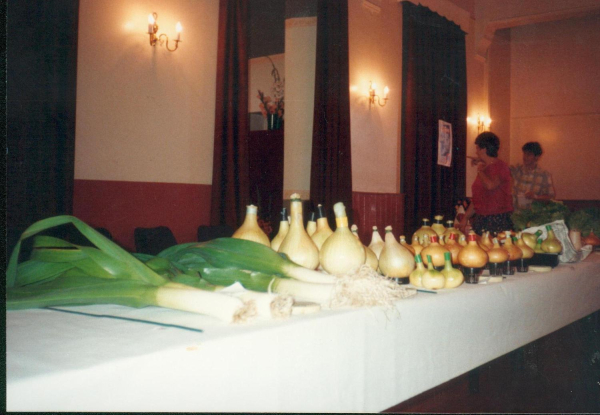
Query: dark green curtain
x=331 y=163
x=434 y=87
x=41 y=63
x=230 y=186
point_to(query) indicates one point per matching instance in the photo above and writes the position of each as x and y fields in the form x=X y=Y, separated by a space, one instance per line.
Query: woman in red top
x=491 y=203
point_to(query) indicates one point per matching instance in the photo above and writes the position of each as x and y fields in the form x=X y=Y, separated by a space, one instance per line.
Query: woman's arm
x=465 y=219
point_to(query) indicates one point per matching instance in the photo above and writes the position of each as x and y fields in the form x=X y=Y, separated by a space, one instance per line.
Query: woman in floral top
x=530 y=181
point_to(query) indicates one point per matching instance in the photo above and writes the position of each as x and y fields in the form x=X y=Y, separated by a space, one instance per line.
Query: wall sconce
x=483 y=124
x=373 y=95
x=153 y=28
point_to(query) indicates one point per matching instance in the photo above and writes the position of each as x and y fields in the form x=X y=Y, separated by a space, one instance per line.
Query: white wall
x=375 y=54
x=143 y=113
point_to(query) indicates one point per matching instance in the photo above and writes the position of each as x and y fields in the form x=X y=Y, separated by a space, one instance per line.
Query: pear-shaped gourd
x=551 y=244
x=526 y=249
x=438 y=225
x=416 y=276
x=284 y=227
x=406 y=245
x=432 y=279
x=395 y=260
x=371 y=259
x=250 y=230
x=341 y=253
x=416 y=245
x=453 y=247
x=297 y=245
x=454 y=276
x=435 y=251
x=425 y=229
x=514 y=252
x=377 y=243
x=497 y=254
x=472 y=256
x=323 y=230
x=311 y=225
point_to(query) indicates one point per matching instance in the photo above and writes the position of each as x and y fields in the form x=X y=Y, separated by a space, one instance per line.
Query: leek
x=244 y=255
x=60 y=273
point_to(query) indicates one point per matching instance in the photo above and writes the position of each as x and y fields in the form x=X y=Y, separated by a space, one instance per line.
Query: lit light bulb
x=178 y=28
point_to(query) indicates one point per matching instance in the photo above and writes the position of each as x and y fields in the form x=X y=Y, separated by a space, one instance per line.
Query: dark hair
x=490 y=142
x=533 y=147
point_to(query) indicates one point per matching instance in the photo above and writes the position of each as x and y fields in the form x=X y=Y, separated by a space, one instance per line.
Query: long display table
x=332 y=361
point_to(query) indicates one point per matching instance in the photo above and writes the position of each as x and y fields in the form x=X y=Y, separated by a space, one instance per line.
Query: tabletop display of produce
x=248 y=276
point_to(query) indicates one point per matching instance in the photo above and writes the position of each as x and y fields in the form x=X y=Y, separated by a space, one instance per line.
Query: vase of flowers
x=272 y=110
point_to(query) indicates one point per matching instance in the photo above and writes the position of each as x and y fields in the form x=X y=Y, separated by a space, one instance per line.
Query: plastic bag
x=569 y=253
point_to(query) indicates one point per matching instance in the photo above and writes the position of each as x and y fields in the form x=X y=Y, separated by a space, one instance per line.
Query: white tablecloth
x=333 y=361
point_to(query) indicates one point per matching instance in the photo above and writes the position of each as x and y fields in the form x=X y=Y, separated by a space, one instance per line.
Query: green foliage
x=539 y=213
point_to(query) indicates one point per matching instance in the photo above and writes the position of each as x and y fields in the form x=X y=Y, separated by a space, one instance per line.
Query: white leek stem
x=304 y=291
x=221 y=306
x=268 y=305
x=309 y=275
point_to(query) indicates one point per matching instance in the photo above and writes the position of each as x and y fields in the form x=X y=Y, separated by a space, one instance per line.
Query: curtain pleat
x=331 y=164
x=41 y=85
x=230 y=188
x=434 y=85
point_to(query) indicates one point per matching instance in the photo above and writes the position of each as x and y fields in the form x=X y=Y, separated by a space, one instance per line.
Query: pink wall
x=499 y=89
x=554 y=100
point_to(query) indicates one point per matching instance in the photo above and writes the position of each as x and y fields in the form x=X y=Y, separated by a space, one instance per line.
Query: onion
x=472 y=256
x=416 y=245
x=297 y=245
x=513 y=250
x=434 y=251
x=371 y=259
x=377 y=243
x=530 y=239
x=591 y=239
x=432 y=279
x=527 y=251
x=311 y=225
x=438 y=225
x=395 y=260
x=551 y=244
x=416 y=277
x=425 y=229
x=341 y=253
x=453 y=276
x=497 y=254
x=453 y=247
x=250 y=230
x=284 y=227
x=323 y=230
x=406 y=245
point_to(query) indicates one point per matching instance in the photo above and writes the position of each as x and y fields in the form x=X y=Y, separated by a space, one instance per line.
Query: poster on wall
x=444 y=143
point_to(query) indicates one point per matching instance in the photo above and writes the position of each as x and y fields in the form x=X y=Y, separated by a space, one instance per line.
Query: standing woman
x=491 y=203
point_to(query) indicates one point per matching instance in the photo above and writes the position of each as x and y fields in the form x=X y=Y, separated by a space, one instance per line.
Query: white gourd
x=395 y=260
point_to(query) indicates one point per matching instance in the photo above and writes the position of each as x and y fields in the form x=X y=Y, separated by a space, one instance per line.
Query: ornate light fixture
x=373 y=97
x=153 y=29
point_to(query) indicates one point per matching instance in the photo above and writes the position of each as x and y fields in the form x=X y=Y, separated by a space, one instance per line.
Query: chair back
x=151 y=241
x=207 y=233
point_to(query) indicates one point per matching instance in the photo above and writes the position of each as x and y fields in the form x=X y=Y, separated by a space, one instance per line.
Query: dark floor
x=559 y=373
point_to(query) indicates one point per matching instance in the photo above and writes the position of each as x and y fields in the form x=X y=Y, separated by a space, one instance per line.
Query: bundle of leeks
x=59 y=273
x=225 y=261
